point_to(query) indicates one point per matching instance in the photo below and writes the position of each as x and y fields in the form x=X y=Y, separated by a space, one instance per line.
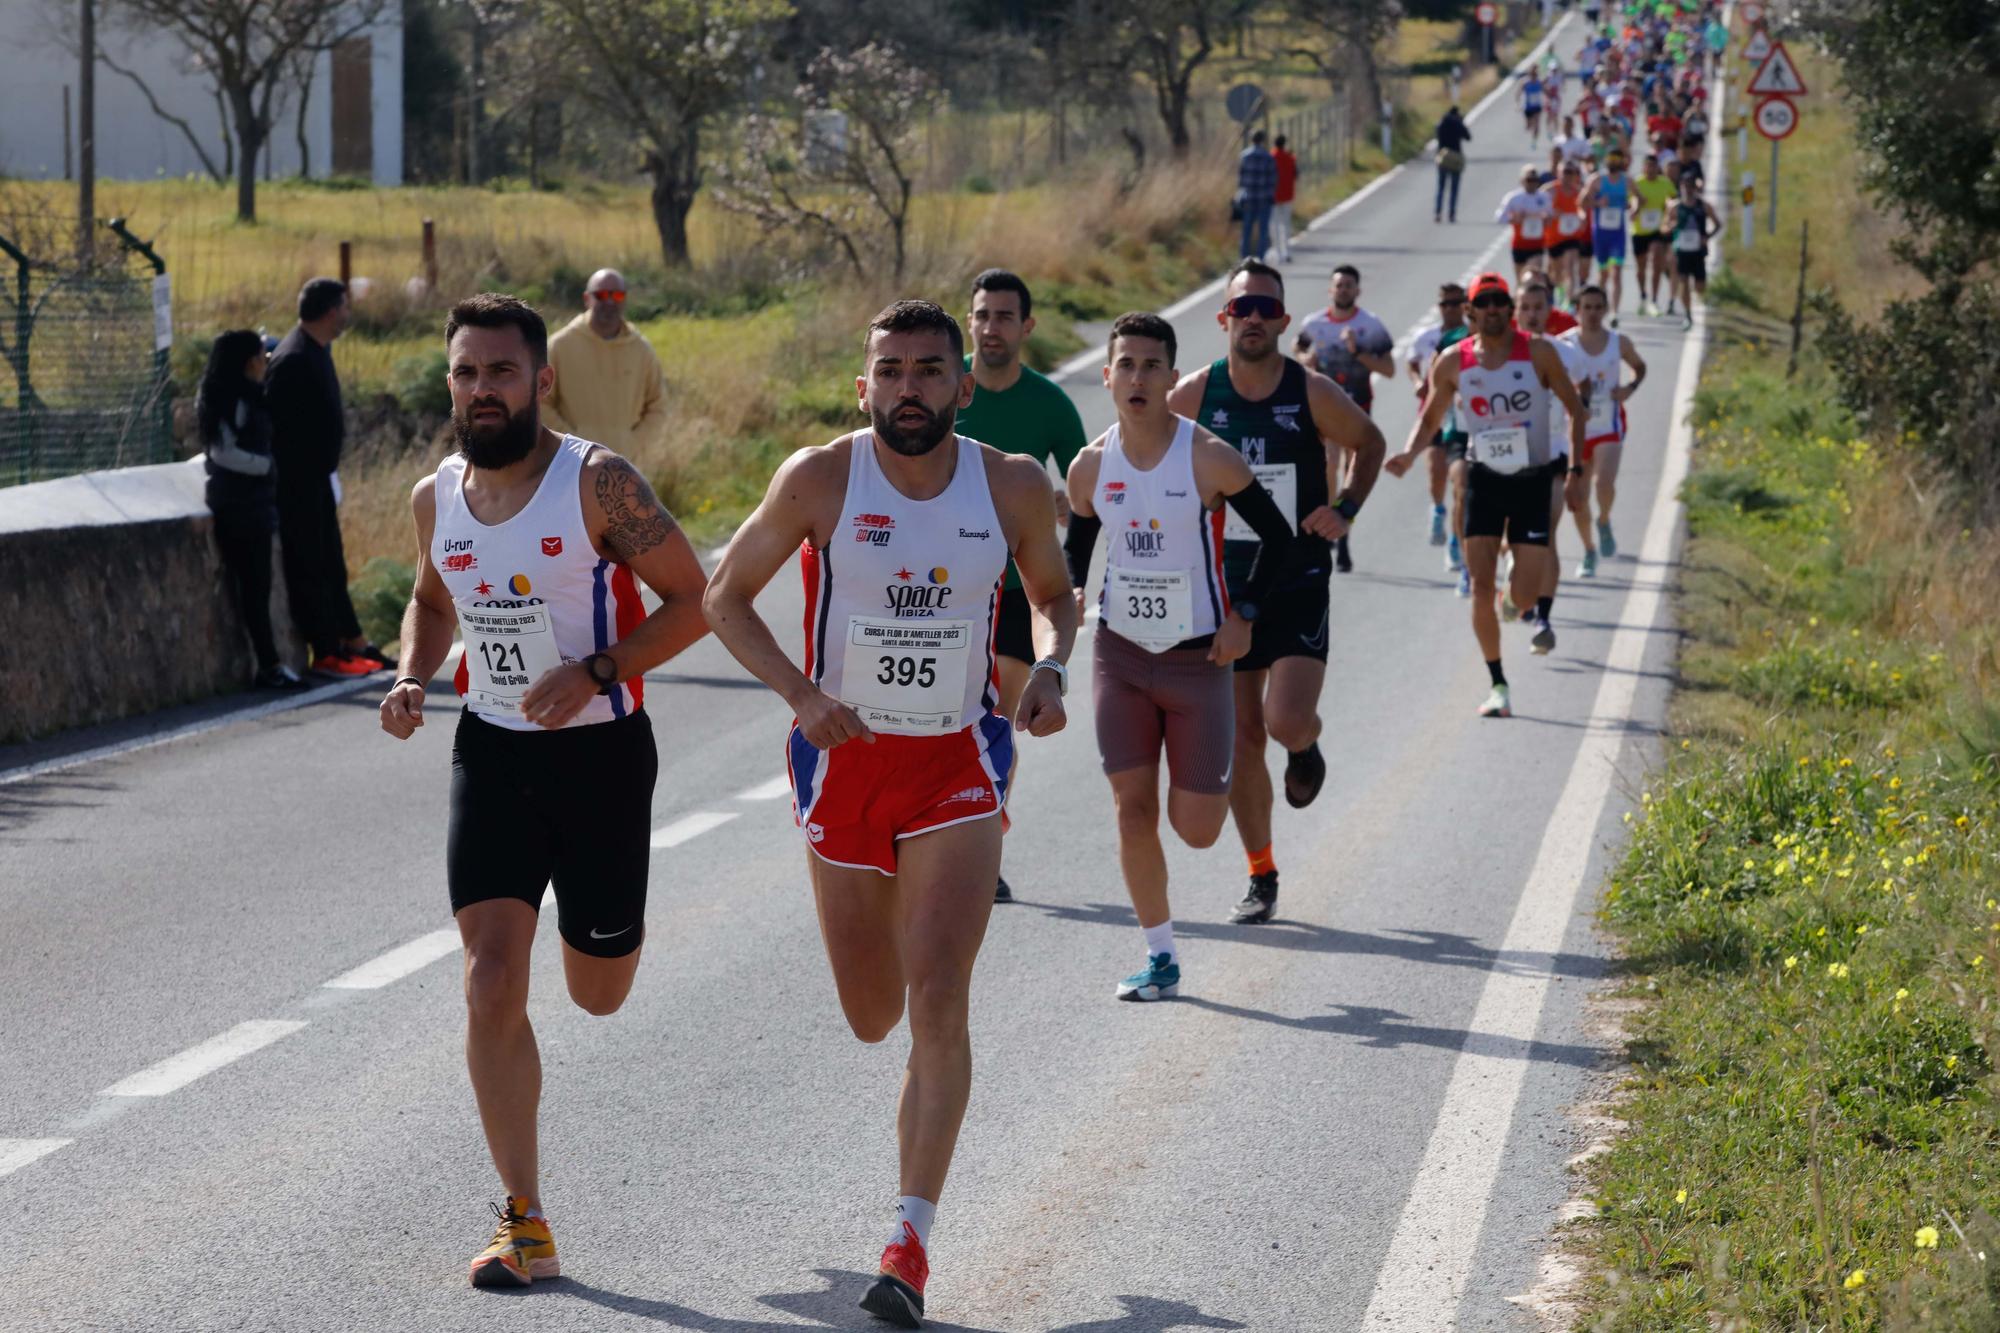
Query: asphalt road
x=1275 y=1150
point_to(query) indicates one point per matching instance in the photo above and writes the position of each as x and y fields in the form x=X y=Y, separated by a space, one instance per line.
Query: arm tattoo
x=634 y=520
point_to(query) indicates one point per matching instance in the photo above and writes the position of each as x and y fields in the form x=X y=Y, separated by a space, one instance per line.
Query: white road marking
x=17 y=1153
x=767 y=791
x=398 y=962
x=177 y=1071
x=1423 y=1275
x=691 y=826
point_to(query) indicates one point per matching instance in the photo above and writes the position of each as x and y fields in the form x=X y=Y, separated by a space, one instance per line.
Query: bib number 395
x=908 y=676
x=895 y=670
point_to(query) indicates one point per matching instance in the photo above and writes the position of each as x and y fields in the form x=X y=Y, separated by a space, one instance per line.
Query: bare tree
x=247 y=47
x=846 y=172
x=208 y=162
x=1166 y=41
x=663 y=68
x=1347 y=34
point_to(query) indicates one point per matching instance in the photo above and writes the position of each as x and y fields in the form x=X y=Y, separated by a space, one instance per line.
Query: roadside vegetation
x=1810 y=902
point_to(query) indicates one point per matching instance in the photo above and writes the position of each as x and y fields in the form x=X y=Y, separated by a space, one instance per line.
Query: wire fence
x=84 y=344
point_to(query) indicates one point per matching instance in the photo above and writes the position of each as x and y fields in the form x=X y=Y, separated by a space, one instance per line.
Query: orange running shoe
x=340 y=665
x=521 y=1249
x=897 y=1295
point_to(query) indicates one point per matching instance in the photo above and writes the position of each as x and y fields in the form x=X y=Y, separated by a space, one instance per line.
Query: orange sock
x=1262 y=862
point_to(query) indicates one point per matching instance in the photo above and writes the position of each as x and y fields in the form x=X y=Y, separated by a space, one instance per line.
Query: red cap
x=1488 y=282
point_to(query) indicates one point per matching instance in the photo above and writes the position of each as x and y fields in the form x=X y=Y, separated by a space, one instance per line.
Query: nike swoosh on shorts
x=597 y=934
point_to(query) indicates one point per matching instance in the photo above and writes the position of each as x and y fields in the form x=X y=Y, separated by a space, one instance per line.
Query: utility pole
x=86 y=139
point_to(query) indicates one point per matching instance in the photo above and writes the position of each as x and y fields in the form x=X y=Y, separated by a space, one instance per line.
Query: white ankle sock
x=919 y=1213
x=1160 y=940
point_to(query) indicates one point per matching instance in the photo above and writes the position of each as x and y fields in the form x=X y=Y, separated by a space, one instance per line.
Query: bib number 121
x=501 y=657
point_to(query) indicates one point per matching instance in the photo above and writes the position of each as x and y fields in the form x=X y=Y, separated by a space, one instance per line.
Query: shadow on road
x=1417 y=946
x=1144 y=1314
x=1388 y=1030
x=21 y=803
x=833 y=1307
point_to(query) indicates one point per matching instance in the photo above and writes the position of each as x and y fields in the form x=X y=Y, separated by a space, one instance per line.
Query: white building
x=353 y=107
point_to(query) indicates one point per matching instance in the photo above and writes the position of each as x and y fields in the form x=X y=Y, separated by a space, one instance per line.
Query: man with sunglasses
x=1504 y=382
x=1290 y=424
x=1423 y=348
x=608 y=386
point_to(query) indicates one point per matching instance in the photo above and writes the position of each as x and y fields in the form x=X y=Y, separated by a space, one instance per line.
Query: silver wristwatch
x=1062 y=674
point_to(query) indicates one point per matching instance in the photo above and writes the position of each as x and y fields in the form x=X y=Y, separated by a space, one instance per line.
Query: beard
x=912 y=441
x=1253 y=349
x=491 y=446
x=993 y=362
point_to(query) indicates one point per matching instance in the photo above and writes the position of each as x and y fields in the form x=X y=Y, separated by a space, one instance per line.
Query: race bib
x=1282 y=481
x=507 y=649
x=1152 y=608
x=1603 y=413
x=1531 y=229
x=1501 y=448
x=1650 y=219
x=907 y=676
x=1689 y=240
x=1569 y=224
x=1610 y=219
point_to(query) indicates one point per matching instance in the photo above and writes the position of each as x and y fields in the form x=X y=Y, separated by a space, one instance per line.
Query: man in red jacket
x=1281 y=200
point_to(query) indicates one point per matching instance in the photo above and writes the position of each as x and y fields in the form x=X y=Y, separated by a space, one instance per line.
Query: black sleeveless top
x=1277 y=437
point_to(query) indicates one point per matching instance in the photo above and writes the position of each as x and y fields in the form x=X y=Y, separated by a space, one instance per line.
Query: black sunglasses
x=1264 y=307
x=1489 y=301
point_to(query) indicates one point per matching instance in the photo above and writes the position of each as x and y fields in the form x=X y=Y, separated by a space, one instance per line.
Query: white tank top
x=532 y=593
x=1163 y=580
x=1596 y=376
x=900 y=604
x=1504 y=412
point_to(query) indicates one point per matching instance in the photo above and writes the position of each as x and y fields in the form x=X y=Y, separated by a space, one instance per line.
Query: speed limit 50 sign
x=1776 y=117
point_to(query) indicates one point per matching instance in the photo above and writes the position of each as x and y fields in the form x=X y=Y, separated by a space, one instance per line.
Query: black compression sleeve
x=1078 y=544
x=1254 y=505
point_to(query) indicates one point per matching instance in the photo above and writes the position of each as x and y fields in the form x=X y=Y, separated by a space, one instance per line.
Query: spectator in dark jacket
x=307 y=432
x=1452 y=135
x=1256 y=187
x=235 y=427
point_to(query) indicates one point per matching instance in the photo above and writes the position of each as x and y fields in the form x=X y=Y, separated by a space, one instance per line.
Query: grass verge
x=1810 y=902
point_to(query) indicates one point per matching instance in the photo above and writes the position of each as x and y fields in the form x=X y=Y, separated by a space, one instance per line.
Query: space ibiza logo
x=519 y=585
x=874 y=529
x=1501 y=403
x=1147 y=542
x=914 y=595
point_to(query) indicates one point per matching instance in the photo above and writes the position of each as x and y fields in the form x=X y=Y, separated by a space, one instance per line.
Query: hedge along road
x=235 y=1091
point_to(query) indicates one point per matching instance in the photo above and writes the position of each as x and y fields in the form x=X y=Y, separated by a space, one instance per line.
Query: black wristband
x=1347 y=507
x=408 y=680
x=1575 y=471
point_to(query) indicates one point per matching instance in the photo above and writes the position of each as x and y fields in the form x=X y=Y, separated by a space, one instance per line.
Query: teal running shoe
x=1437 y=525
x=1587 y=567
x=1161 y=980
x=1605 y=541
x=1454 y=554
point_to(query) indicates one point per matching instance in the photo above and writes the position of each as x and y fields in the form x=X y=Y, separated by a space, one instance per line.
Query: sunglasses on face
x=1263 y=307
x=1451 y=303
x=616 y=298
x=1490 y=302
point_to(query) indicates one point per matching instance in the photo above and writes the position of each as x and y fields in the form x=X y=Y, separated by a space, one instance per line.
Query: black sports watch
x=1246 y=610
x=1347 y=507
x=606 y=680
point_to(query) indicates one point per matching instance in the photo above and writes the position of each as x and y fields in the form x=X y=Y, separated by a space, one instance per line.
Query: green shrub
x=380 y=595
x=418 y=384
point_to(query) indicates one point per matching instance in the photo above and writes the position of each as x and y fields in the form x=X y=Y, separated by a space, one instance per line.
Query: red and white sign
x=1758 y=47
x=1777 y=76
x=1487 y=14
x=1753 y=14
x=1776 y=117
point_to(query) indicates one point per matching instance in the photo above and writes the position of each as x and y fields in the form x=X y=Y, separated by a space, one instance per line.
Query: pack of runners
x=946 y=550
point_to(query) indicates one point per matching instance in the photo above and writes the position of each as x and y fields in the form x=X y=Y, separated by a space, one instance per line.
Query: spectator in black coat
x=307 y=432
x=235 y=427
x=1452 y=135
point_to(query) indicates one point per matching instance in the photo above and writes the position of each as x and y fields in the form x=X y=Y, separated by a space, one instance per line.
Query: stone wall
x=112 y=601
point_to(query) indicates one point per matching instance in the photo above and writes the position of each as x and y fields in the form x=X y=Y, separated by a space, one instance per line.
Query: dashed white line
x=767 y=791
x=177 y=1071
x=17 y=1153
x=691 y=826
x=398 y=962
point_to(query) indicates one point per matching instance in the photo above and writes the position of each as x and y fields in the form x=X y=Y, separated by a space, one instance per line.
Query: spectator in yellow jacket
x=608 y=383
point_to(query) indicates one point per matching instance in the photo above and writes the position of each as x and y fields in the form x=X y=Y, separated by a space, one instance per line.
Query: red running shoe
x=340 y=666
x=897 y=1295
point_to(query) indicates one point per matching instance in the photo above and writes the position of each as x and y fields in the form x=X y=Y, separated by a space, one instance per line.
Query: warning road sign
x=1777 y=117
x=1758 y=47
x=1777 y=76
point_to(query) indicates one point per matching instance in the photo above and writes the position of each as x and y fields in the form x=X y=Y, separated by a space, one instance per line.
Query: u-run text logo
x=1114 y=492
x=874 y=529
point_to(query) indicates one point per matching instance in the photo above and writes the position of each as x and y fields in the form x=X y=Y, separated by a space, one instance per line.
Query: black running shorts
x=572 y=807
x=1514 y=505
x=1292 y=624
x=1014 y=629
x=1692 y=264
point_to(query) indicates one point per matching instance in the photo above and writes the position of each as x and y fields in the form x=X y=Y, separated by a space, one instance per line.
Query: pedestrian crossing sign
x=1758 y=48
x=1777 y=76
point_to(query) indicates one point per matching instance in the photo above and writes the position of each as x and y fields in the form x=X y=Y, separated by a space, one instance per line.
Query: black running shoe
x=1305 y=771
x=1342 y=561
x=1258 y=905
x=1001 y=893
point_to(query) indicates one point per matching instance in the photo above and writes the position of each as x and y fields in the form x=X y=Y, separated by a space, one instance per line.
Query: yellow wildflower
x=1927 y=1238
x=1856 y=1280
